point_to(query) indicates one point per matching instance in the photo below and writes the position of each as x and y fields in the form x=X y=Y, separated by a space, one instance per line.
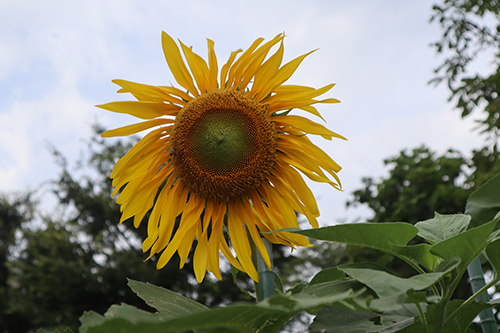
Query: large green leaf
x=387 y=285
x=442 y=227
x=335 y=320
x=331 y=287
x=373 y=235
x=263 y=317
x=467 y=245
x=493 y=252
x=165 y=301
x=484 y=203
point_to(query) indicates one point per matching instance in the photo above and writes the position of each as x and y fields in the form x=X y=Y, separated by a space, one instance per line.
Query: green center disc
x=222 y=142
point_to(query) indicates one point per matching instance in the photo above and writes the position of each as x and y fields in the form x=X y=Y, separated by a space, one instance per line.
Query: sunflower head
x=224 y=153
x=223 y=144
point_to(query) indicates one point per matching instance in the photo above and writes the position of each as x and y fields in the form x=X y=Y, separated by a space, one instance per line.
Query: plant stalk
x=422 y=318
x=266 y=275
x=487 y=318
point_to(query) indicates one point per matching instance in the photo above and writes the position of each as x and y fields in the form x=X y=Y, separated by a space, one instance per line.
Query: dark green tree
x=15 y=209
x=419 y=184
x=471 y=33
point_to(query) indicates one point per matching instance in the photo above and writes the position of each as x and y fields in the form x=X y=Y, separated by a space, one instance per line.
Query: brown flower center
x=223 y=144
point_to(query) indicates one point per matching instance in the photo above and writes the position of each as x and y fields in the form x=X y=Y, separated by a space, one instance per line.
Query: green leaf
x=297 y=288
x=278 y=284
x=398 y=326
x=164 y=300
x=393 y=321
x=391 y=303
x=419 y=253
x=326 y=275
x=332 y=287
x=484 y=203
x=119 y=313
x=386 y=285
x=373 y=235
x=335 y=320
x=493 y=252
x=442 y=227
x=448 y=265
x=467 y=245
x=265 y=317
x=420 y=297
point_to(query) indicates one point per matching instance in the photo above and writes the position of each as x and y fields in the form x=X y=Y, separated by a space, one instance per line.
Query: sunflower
x=222 y=154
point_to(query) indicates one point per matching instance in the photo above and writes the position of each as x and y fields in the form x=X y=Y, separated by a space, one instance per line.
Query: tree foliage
x=419 y=183
x=471 y=28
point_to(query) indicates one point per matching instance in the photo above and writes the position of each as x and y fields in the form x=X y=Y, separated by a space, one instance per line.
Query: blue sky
x=58 y=59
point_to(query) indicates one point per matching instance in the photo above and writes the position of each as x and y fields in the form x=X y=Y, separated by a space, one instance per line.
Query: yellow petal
x=176 y=64
x=200 y=260
x=266 y=72
x=142 y=109
x=186 y=245
x=297 y=93
x=287 y=192
x=198 y=67
x=135 y=128
x=177 y=92
x=305 y=125
x=225 y=68
x=212 y=63
x=282 y=75
x=247 y=216
x=188 y=219
x=155 y=93
x=214 y=241
x=229 y=256
x=239 y=240
x=325 y=161
x=255 y=62
x=136 y=151
x=300 y=187
x=240 y=65
x=172 y=201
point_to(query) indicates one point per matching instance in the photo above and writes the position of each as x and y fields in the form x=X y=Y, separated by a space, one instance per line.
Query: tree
x=419 y=184
x=471 y=28
x=15 y=209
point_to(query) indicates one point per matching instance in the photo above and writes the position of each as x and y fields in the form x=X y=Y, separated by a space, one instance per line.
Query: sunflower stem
x=266 y=275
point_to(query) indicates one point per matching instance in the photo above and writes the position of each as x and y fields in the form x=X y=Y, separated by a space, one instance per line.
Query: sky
x=57 y=60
